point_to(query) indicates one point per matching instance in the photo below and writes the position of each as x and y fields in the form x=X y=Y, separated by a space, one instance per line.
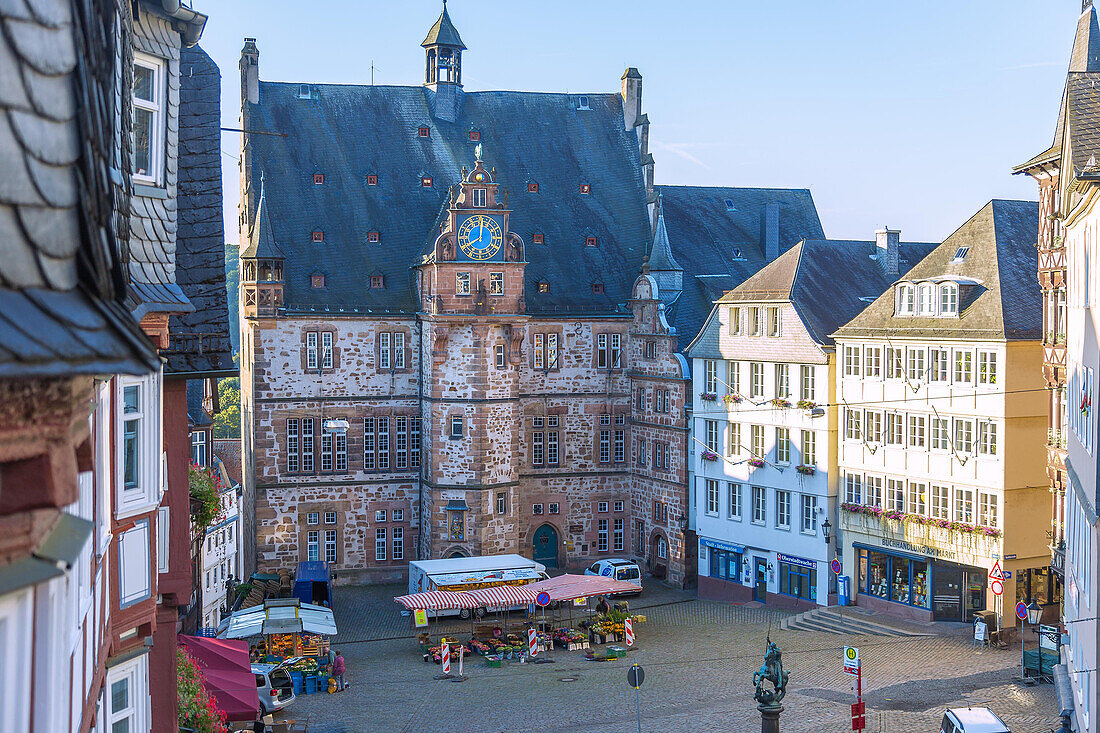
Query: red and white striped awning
x=502 y=596
x=437 y=600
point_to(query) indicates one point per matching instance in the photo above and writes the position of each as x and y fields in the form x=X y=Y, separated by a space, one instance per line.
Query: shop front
x=917 y=586
x=724 y=565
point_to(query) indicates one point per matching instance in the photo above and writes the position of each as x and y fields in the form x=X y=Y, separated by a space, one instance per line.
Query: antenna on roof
x=372 y=67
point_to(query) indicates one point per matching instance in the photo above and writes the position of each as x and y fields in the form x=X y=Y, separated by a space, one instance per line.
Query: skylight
x=582 y=102
x=730 y=206
x=960 y=254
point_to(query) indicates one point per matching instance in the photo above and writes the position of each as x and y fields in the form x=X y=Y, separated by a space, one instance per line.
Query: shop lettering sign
x=799 y=561
x=918 y=549
x=719 y=545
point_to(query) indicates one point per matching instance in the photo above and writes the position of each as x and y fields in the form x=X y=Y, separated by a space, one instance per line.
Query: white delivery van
x=470 y=573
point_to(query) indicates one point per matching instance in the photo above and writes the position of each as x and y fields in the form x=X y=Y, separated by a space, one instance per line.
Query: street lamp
x=1034 y=613
x=825 y=526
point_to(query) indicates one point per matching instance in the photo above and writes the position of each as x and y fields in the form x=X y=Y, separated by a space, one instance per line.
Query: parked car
x=273 y=686
x=972 y=720
x=619 y=569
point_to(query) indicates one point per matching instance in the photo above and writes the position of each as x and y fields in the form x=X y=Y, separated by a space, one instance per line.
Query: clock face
x=480 y=237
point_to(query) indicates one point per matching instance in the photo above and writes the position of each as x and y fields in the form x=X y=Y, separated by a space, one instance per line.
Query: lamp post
x=825 y=527
x=1034 y=613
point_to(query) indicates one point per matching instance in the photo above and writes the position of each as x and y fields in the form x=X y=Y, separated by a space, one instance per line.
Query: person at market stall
x=338 y=670
x=603 y=607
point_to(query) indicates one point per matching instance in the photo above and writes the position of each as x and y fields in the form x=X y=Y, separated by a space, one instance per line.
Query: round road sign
x=635 y=676
x=836 y=566
x=997 y=587
x=543 y=599
x=1021 y=611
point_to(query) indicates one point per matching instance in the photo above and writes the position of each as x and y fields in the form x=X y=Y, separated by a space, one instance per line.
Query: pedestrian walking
x=338 y=670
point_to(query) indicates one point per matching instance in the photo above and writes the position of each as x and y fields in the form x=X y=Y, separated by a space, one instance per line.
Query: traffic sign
x=859 y=708
x=1021 y=610
x=859 y=723
x=628 y=628
x=836 y=566
x=635 y=676
x=997 y=587
x=996 y=573
x=543 y=599
x=851 y=660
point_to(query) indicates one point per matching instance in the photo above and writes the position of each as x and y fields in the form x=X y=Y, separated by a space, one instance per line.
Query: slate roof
x=348 y=132
x=197 y=416
x=199 y=343
x=1007 y=304
x=719 y=248
x=1083 y=123
x=443 y=32
x=62 y=271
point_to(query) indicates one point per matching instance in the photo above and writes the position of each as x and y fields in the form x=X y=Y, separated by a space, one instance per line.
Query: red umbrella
x=225 y=665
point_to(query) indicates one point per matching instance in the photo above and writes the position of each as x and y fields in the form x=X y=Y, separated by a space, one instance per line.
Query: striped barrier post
x=532 y=642
x=629 y=632
x=446 y=659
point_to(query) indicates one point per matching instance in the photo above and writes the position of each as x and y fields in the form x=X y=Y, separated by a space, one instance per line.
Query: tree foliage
x=227 y=423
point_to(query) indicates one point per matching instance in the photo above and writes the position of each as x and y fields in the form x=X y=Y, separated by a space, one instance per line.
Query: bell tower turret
x=443 y=49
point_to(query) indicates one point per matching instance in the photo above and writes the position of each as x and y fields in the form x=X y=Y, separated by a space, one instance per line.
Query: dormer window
x=479 y=197
x=372 y=180
x=532 y=187
x=906 y=300
x=582 y=102
x=303 y=91
x=926 y=300
x=737 y=254
x=475 y=136
x=590 y=241
x=586 y=188
x=318 y=179
x=317 y=281
x=423 y=132
x=597 y=288
x=425 y=181
x=374 y=237
x=538 y=238
x=949 y=299
x=543 y=286
x=377 y=281
x=318 y=235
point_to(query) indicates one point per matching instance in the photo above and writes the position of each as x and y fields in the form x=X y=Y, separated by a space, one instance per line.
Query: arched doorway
x=457 y=553
x=658 y=554
x=545 y=546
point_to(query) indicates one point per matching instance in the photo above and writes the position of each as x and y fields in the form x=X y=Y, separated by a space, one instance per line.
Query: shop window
x=725 y=565
x=797 y=580
x=893 y=578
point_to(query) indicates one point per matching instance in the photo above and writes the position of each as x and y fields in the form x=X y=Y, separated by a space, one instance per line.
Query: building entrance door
x=545 y=548
x=947 y=596
x=760 y=587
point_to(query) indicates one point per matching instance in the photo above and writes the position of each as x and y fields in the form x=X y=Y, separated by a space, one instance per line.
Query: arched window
x=662 y=548
x=905 y=304
x=926 y=300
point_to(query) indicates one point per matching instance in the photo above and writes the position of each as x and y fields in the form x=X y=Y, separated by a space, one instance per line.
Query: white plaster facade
x=220 y=557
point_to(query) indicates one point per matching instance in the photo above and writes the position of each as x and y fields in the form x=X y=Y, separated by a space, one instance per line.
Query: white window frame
x=198 y=447
x=16 y=644
x=332 y=547
x=136 y=674
x=397 y=540
x=735 y=320
x=147 y=494
x=782 y=509
x=774 y=322
x=462 y=283
x=163 y=525
x=134 y=565
x=733 y=495
x=158 y=125
x=759 y=505
x=808 y=504
x=710 y=489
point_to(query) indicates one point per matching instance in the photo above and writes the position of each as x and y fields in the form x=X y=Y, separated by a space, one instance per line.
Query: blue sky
x=903 y=114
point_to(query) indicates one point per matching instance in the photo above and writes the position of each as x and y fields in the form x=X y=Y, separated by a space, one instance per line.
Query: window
x=960 y=254
x=456 y=426
x=532 y=187
x=712 y=497
x=391 y=350
x=605 y=446
x=650 y=349
x=895 y=495
x=711 y=435
x=401 y=442
x=383 y=459
x=963 y=370
x=536 y=508
x=552 y=441
x=377 y=282
x=601 y=535
x=710 y=376
x=318 y=179
x=423 y=132
x=330 y=518
x=617 y=538
x=782 y=509
x=318 y=350
x=940 y=502
x=330 y=545
x=894 y=368
x=851 y=361
x=926 y=300
x=916 y=431
x=906 y=303
x=756 y=433
x=916 y=364
x=620 y=444
x=462 y=283
x=149 y=121
x=916 y=498
x=498 y=351
x=398 y=535
x=372 y=180
x=755 y=325
x=893 y=428
x=809 y=514
x=139 y=444
x=949 y=299
x=313 y=545
x=853 y=488
x=872 y=430
x=938 y=372
x=852 y=428
x=479 y=198
x=380 y=544
x=735 y=439
x=475 y=136
x=733 y=377
x=590 y=241
x=640 y=403
x=872 y=361
x=198 y=447
x=774 y=324
x=601 y=507
x=987 y=367
x=733 y=511
x=809 y=448
x=783 y=380
x=313 y=518
x=538 y=238
x=553 y=507
x=939 y=433
x=543 y=286
x=964 y=436
x=735 y=321
x=872 y=491
x=964 y=505
x=759 y=506
x=374 y=237
x=368 y=443
x=425 y=181
x=317 y=281
x=756 y=379
x=987 y=509
x=608 y=350
x=125 y=697
x=806 y=387
x=783 y=446
x=582 y=102
x=987 y=438
x=318 y=235
x=597 y=288
x=798 y=580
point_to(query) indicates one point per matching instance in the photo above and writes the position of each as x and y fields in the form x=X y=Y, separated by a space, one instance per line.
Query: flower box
x=709 y=455
x=494 y=660
x=781 y=403
x=805 y=404
x=756 y=462
x=708 y=396
x=733 y=399
x=805 y=470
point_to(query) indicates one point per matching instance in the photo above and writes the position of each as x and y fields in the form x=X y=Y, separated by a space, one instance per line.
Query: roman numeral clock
x=480 y=236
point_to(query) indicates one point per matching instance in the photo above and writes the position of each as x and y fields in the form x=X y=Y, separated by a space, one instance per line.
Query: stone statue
x=771 y=671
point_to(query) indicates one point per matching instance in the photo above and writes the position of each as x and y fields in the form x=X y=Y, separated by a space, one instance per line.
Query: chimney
x=250 y=72
x=887 y=249
x=771 y=232
x=632 y=97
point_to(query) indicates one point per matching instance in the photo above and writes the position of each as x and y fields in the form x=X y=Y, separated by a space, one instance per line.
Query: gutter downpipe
x=423 y=433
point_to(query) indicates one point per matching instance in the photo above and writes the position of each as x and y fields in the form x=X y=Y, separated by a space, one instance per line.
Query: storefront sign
x=1010 y=557
x=719 y=545
x=799 y=561
x=421 y=618
x=918 y=549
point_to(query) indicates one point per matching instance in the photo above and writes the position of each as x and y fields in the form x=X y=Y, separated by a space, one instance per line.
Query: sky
x=909 y=115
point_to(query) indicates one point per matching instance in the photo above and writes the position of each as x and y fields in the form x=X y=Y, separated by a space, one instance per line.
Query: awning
x=283 y=616
x=502 y=596
x=437 y=600
x=457 y=505
x=228 y=674
x=567 y=587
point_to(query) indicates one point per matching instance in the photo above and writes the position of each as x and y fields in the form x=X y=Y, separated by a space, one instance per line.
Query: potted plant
x=805 y=470
x=732 y=399
x=709 y=455
x=781 y=403
x=708 y=396
x=805 y=404
x=756 y=462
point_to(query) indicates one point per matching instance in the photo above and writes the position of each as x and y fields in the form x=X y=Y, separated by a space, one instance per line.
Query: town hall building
x=453 y=341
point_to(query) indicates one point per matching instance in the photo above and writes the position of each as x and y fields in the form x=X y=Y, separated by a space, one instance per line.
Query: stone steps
x=829 y=621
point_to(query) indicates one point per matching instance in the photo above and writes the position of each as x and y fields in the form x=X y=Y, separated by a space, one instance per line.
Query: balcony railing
x=1056 y=438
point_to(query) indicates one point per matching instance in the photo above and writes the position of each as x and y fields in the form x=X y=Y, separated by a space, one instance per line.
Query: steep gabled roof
x=1083 y=124
x=1005 y=304
x=443 y=32
x=660 y=254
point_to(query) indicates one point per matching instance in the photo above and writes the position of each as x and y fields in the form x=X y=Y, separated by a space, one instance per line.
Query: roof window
x=544 y=286
x=582 y=102
x=374 y=237
x=586 y=188
x=475 y=136
x=425 y=181
x=317 y=281
x=423 y=132
x=304 y=91
x=318 y=179
x=960 y=254
x=318 y=235
x=730 y=206
x=372 y=179
x=738 y=254
x=532 y=187
x=597 y=288
x=538 y=238
x=590 y=241
x=377 y=281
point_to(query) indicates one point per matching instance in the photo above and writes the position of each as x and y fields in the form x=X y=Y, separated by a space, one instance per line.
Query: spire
x=261 y=240
x=1086 y=44
x=443 y=32
x=660 y=255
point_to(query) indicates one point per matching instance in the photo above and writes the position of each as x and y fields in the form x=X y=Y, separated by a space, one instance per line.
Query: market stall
x=226 y=673
x=601 y=628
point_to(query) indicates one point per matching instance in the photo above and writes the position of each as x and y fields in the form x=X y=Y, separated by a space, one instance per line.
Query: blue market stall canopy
x=280 y=616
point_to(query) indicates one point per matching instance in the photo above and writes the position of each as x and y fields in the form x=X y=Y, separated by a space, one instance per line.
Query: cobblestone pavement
x=699 y=657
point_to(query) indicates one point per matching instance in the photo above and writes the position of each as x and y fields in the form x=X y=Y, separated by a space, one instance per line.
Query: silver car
x=273 y=686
